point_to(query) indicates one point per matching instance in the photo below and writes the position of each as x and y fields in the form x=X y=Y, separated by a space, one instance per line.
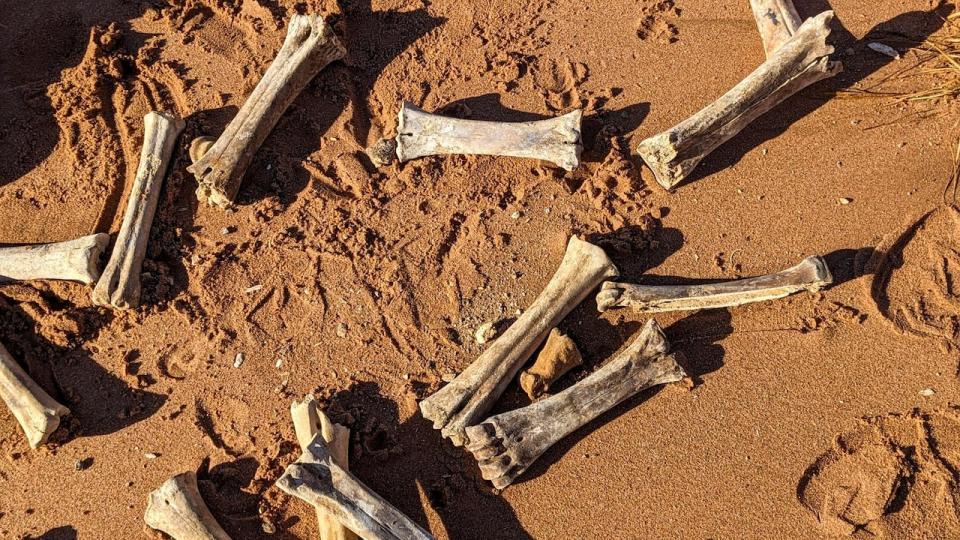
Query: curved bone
x=811 y=274
x=777 y=21
x=556 y=140
x=119 y=286
x=36 y=412
x=177 y=509
x=471 y=394
x=309 y=46
x=507 y=444
x=73 y=260
x=558 y=356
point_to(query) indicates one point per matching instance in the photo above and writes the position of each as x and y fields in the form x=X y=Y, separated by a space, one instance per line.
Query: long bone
x=177 y=509
x=777 y=21
x=465 y=400
x=801 y=61
x=507 y=444
x=556 y=140
x=36 y=412
x=811 y=274
x=309 y=46
x=119 y=286
x=73 y=260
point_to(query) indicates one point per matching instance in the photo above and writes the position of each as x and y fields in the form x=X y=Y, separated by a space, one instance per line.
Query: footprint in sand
x=654 y=23
x=558 y=82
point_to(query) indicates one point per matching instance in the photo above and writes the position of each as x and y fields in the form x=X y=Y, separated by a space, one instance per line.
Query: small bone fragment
x=884 y=49
x=556 y=140
x=199 y=147
x=383 y=152
x=800 y=62
x=317 y=479
x=505 y=445
x=472 y=393
x=73 y=260
x=777 y=21
x=309 y=46
x=559 y=355
x=811 y=274
x=36 y=412
x=177 y=509
x=119 y=286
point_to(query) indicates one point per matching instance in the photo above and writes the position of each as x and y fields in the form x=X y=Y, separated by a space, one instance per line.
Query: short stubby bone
x=73 y=260
x=177 y=509
x=558 y=356
x=36 y=412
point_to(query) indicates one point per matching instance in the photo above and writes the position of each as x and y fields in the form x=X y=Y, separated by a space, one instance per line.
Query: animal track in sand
x=558 y=82
x=655 y=22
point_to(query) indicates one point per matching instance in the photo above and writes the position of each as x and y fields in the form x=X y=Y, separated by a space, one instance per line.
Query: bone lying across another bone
x=777 y=21
x=73 y=260
x=556 y=140
x=36 y=412
x=119 y=286
x=505 y=445
x=811 y=274
x=558 y=356
x=465 y=400
x=309 y=46
x=177 y=509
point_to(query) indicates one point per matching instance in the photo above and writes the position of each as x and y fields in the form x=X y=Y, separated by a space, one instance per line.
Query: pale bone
x=36 y=412
x=811 y=274
x=800 y=62
x=556 y=140
x=777 y=21
x=465 y=400
x=308 y=420
x=119 y=286
x=317 y=479
x=505 y=445
x=309 y=46
x=73 y=260
x=558 y=356
x=177 y=509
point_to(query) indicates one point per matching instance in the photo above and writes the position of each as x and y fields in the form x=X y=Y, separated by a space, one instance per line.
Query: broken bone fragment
x=383 y=152
x=199 y=147
x=556 y=140
x=36 y=412
x=72 y=260
x=465 y=400
x=811 y=274
x=309 y=46
x=777 y=21
x=177 y=509
x=558 y=356
x=507 y=444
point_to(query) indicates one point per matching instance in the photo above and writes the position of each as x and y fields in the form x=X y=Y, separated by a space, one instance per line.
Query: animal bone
x=73 y=260
x=119 y=286
x=811 y=274
x=777 y=21
x=505 y=445
x=800 y=62
x=556 y=140
x=317 y=479
x=177 y=509
x=470 y=395
x=36 y=412
x=559 y=355
x=309 y=46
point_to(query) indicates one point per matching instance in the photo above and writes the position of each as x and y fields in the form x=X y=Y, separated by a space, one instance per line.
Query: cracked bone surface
x=465 y=400
x=777 y=21
x=556 y=140
x=803 y=60
x=811 y=274
x=558 y=356
x=177 y=509
x=36 y=412
x=507 y=444
x=317 y=479
x=119 y=285
x=309 y=46
x=73 y=260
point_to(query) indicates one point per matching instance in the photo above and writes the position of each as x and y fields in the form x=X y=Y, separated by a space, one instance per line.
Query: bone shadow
x=64 y=532
x=223 y=490
x=636 y=250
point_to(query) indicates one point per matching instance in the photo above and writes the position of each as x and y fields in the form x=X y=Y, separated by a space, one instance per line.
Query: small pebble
x=846 y=200
x=226 y=230
x=253 y=288
x=515 y=215
x=485 y=332
x=83 y=464
x=342 y=330
x=278 y=363
x=884 y=49
x=268 y=527
x=238 y=360
x=927 y=392
x=151 y=455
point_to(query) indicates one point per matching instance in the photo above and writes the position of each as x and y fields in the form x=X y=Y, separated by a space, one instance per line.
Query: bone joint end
x=177 y=509
x=37 y=413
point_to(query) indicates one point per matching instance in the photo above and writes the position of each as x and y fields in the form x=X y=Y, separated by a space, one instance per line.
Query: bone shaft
x=36 y=412
x=73 y=260
x=777 y=21
x=177 y=509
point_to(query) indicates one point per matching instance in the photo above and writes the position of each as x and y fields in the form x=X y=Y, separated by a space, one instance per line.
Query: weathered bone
x=556 y=140
x=811 y=274
x=177 y=509
x=558 y=356
x=119 y=286
x=801 y=61
x=317 y=479
x=505 y=445
x=309 y=46
x=36 y=412
x=73 y=260
x=465 y=400
x=777 y=21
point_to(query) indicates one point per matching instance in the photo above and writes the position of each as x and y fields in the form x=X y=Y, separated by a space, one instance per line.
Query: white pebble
x=151 y=455
x=845 y=201
x=238 y=360
x=485 y=332
x=515 y=214
x=927 y=392
x=253 y=288
x=342 y=330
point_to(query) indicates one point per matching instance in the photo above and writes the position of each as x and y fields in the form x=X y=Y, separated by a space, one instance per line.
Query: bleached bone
x=36 y=412
x=558 y=356
x=309 y=46
x=507 y=444
x=177 y=509
x=811 y=274
x=317 y=479
x=73 y=260
x=556 y=140
x=801 y=61
x=119 y=286
x=465 y=400
x=777 y=21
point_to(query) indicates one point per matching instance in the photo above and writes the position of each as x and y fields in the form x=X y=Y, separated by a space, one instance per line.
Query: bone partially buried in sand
x=36 y=412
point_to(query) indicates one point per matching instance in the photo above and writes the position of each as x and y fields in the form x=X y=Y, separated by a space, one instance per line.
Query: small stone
x=278 y=363
x=515 y=215
x=253 y=288
x=268 y=527
x=884 y=49
x=342 y=330
x=151 y=455
x=845 y=201
x=485 y=332
x=238 y=360
x=83 y=464
x=927 y=392
x=546 y=210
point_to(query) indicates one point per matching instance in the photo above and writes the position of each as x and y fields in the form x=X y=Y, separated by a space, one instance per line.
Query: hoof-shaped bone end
x=609 y=296
x=495 y=453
